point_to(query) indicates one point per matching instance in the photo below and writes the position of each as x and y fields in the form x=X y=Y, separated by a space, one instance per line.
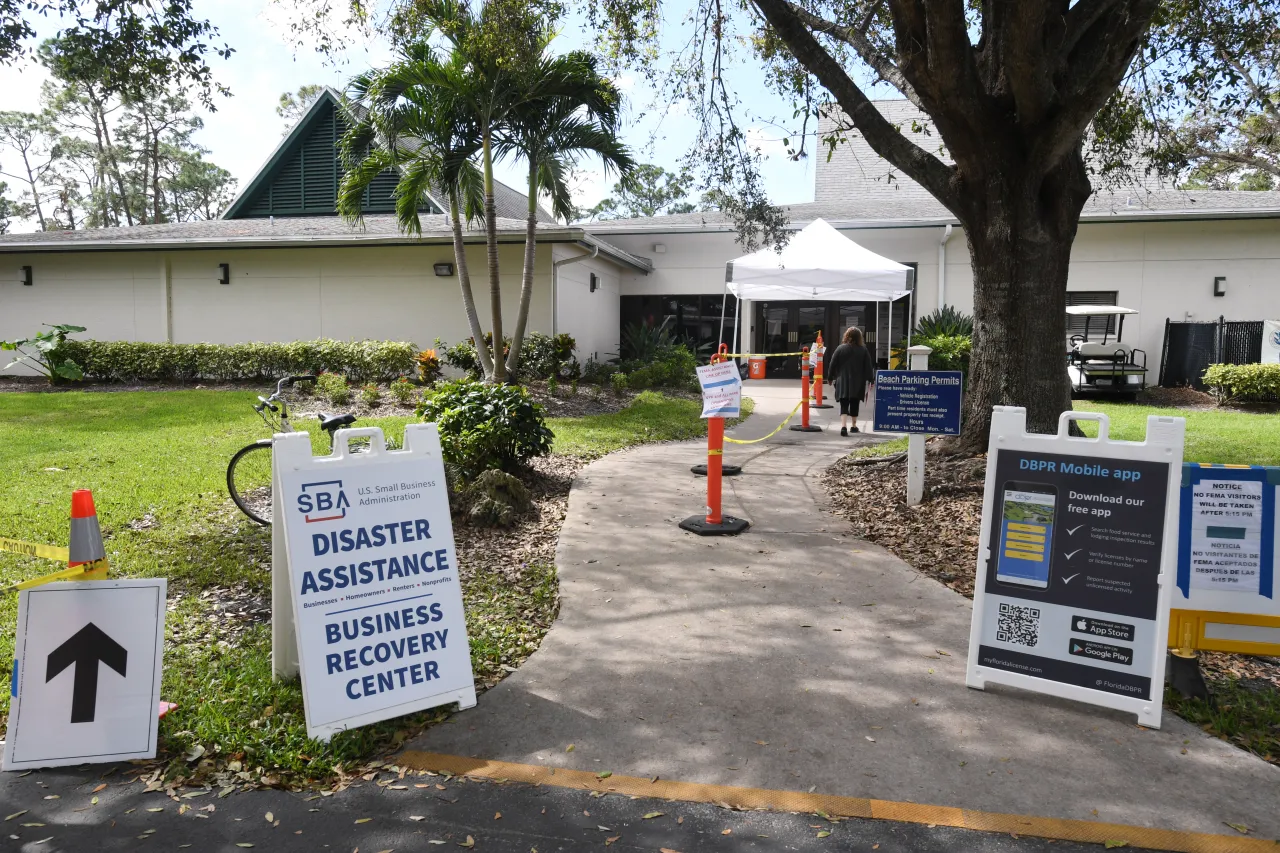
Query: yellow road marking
x=796 y=801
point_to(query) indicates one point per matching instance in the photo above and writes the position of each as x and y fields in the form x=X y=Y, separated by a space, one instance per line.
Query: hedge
x=133 y=361
x=1244 y=383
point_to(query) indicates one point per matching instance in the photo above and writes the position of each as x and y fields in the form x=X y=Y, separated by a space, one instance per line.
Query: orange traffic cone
x=86 y=536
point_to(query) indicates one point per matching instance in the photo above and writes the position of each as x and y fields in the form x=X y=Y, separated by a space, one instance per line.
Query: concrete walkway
x=798 y=657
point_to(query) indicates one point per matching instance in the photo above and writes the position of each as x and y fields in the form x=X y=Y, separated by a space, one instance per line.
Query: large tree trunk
x=526 y=280
x=464 y=280
x=1020 y=238
x=491 y=247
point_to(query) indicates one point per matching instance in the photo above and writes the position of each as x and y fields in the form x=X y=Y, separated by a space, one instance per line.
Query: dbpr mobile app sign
x=1076 y=563
x=376 y=596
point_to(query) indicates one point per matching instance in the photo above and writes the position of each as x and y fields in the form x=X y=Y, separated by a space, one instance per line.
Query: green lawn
x=156 y=463
x=1212 y=436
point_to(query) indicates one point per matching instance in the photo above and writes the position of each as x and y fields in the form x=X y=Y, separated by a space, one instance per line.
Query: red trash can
x=755 y=367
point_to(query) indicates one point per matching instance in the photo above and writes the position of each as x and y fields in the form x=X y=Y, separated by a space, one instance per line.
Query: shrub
x=596 y=372
x=642 y=342
x=618 y=381
x=404 y=392
x=1244 y=383
x=333 y=387
x=371 y=394
x=119 y=361
x=461 y=356
x=428 y=367
x=486 y=426
x=573 y=388
x=672 y=366
x=552 y=386
x=495 y=499
x=950 y=352
x=945 y=321
x=543 y=356
x=46 y=353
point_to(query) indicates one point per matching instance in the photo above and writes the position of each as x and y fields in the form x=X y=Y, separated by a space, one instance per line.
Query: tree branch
x=1261 y=163
x=1020 y=48
x=1080 y=19
x=883 y=137
x=857 y=39
x=1092 y=73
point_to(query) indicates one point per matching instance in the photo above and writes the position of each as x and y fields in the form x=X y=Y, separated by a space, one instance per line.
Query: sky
x=267 y=61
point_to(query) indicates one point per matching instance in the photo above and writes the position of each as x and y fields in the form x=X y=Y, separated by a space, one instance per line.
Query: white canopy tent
x=819 y=263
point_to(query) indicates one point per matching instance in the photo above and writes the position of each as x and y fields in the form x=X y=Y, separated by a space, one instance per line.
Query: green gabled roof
x=301 y=177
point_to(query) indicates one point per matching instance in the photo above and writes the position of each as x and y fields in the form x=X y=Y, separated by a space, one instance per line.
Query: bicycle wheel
x=249 y=480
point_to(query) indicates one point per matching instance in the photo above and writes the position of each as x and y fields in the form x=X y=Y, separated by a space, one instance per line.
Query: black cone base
x=803 y=428
x=1184 y=676
x=725 y=470
x=728 y=526
x=821 y=406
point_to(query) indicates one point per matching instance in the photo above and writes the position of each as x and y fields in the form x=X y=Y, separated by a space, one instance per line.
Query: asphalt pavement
x=53 y=810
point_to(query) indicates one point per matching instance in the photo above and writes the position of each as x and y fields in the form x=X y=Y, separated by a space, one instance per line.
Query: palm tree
x=552 y=132
x=398 y=118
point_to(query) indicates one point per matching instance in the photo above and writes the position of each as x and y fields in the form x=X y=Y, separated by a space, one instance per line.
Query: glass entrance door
x=786 y=327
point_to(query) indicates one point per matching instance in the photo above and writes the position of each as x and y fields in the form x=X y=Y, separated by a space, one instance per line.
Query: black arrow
x=85 y=649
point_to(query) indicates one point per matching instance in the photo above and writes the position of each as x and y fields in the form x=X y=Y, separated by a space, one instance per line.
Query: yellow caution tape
x=34 y=549
x=96 y=570
x=759 y=354
x=772 y=434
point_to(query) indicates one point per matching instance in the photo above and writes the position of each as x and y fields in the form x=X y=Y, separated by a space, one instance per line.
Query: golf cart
x=1097 y=362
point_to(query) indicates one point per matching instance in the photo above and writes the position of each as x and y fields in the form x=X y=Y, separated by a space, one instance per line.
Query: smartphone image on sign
x=1026 y=534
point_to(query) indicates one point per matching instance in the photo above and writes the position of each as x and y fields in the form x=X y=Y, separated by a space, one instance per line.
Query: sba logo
x=324 y=501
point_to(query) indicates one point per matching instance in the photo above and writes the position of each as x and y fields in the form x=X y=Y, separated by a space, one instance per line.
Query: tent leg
x=909 y=323
x=889 y=342
x=723 y=298
x=877 y=332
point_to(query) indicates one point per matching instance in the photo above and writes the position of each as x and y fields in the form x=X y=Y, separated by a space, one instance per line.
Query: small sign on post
x=721 y=384
x=86 y=673
x=368 y=554
x=918 y=402
x=1075 y=562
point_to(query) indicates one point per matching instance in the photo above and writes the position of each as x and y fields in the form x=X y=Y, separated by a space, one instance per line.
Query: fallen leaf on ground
x=605 y=775
x=609 y=841
x=497 y=815
x=244 y=844
x=416 y=817
x=1238 y=827
x=470 y=842
x=1111 y=844
x=726 y=832
x=17 y=814
x=156 y=810
x=101 y=787
x=652 y=815
x=569 y=748
x=363 y=819
x=824 y=833
x=269 y=816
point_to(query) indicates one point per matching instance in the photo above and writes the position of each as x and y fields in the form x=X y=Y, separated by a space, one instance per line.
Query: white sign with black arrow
x=86 y=673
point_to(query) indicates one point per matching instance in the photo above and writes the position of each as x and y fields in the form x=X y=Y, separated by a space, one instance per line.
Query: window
x=691 y=319
x=1075 y=325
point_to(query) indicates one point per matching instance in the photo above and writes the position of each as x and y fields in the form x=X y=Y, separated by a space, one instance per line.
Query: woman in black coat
x=851 y=373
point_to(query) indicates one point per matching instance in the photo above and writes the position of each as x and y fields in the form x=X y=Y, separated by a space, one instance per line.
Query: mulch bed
x=939 y=538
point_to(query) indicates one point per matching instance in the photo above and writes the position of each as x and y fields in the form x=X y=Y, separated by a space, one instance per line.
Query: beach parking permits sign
x=373 y=579
x=721 y=390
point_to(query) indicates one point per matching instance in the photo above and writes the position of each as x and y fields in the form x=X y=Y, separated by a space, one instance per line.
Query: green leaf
x=1111 y=844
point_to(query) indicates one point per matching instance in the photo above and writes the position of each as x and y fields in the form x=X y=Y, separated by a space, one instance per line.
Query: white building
x=293 y=270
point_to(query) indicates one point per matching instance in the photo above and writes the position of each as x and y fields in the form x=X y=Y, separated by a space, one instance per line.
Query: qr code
x=1018 y=625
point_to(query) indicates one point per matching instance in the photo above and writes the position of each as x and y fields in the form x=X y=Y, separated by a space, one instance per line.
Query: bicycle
x=249 y=472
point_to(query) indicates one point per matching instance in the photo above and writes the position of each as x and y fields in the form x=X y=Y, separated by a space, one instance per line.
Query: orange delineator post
x=715 y=523
x=804 y=425
x=820 y=353
x=715 y=456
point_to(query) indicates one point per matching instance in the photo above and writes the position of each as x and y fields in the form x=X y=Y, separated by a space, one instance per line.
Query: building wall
x=385 y=293
x=592 y=318
x=1165 y=270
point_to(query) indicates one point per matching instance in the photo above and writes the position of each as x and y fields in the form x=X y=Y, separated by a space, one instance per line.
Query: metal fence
x=1189 y=348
